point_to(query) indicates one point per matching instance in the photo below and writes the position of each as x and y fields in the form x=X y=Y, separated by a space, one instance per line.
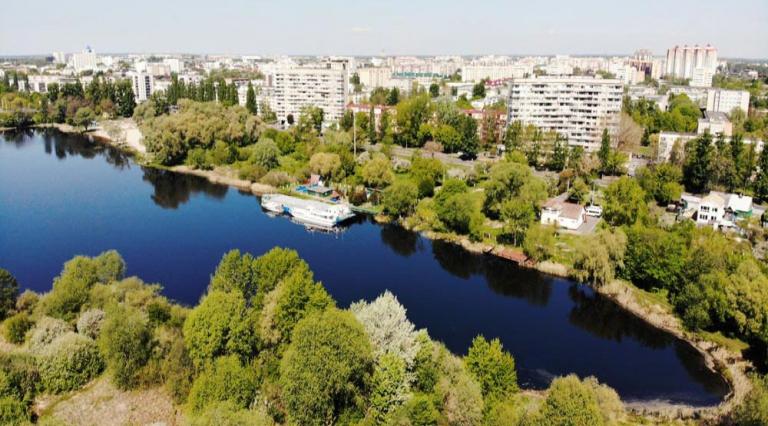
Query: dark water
x=62 y=195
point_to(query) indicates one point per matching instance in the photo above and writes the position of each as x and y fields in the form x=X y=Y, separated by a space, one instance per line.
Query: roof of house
x=713 y=199
x=740 y=203
x=567 y=210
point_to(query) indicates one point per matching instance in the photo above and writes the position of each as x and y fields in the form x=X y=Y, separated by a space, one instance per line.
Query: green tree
x=625 y=202
x=250 y=100
x=389 y=388
x=393 y=97
x=569 y=403
x=761 y=179
x=478 y=90
x=325 y=368
x=604 y=154
x=84 y=117
x=697 y=167
x=224 y=380
x=219 y=325
x=410 y=115
x=559 y=156
x=377 y=173
x=400 y=198
x=16 y=327
x=598 y=257
x=236 y=271
x=265 y=154
x=325 y=164
x=754 y=410
x=539 y=242
x=9 y=291
x=434 y=90
x=69 y=362
x=125 y=344
x=492 y=367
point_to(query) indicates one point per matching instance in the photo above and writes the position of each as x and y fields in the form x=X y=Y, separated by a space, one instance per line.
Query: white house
x=559 y=211
x=711 y=210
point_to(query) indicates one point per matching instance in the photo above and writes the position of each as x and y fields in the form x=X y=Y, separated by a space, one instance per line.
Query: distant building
x=374 y=76
x=715 y=123
x=702 y=77
x=174 y=64
x=295 y=88
x=39 y=83
x=494 y=72
x=683 y=61
x=667 y=142
x=59 y=58
x=578 y=108
x=721 y=100
x=711 y=210
x=143 y=85
x=85 y=60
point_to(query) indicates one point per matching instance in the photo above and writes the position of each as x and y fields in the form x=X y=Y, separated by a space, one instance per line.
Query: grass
x=733 y=344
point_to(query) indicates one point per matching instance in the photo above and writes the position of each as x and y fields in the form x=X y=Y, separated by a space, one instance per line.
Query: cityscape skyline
x=267 y=28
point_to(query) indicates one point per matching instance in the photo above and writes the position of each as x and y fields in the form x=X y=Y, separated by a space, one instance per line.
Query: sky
x=738 y=28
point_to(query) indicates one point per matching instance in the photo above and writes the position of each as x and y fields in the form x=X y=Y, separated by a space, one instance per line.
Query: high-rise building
x=85 y=60
x=295 y=88
x=143 y=85
x=721 y=100
x=578 y=108
x=683 y=61
x=59 y=57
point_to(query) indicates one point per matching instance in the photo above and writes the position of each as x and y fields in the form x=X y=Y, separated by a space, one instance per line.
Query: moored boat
x=305 y=211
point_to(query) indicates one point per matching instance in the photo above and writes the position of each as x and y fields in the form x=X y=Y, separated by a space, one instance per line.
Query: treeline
x=682 y=115
x=71 y=103
x=265 y=345
x=209 y=90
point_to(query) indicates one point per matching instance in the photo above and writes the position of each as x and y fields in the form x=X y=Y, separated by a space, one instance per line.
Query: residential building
x=40 y=82
x=667 y=142
x=721 y=100
x=715 y=123
x=374 y=76
x=711 y=210
x=174 y=64
x=683 y=61
x=143 y=85
x=702 y=77
x=494 y=72
x=59 y=58
x=85 y=60
x=295 y=88
x=558 y=211
x=578 y=108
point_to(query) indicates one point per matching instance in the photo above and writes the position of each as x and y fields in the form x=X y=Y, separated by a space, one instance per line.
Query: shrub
x=277 y=178
x=90 y=322
x=19 y=376
x=569 y=402
x=539 y=242
x=400 y=198
x=69 y=362
x=228 y=414
x=46 y=331
x=27 y=301
x=224 y=380
x=492 y=367
x=16 y=327
x=252 y=172
x=125 y=344
x=13 y=412
x=265 y=154
x=178 y=371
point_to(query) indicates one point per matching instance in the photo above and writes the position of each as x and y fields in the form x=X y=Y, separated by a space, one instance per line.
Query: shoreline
x=732 y=367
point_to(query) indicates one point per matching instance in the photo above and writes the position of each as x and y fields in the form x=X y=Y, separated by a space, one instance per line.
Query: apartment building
x=85 y=60
x=683 y=61
x=578 y=108
x=721 y=100
x=143 y=85
x=295 y=88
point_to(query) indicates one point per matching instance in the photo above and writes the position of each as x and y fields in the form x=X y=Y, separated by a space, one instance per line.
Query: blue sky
x=738 y=28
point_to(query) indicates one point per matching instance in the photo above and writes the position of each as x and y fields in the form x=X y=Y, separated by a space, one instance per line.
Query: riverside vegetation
x=265 y=345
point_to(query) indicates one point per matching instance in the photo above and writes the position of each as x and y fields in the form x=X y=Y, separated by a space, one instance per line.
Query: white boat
x=309 y=212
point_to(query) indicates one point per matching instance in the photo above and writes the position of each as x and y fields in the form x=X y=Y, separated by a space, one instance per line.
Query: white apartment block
x=375 y=76
x=295 y=88
x=721 y=100
x=702 y=77
x=578 y=108
x=174 y=64
x=39 y=83
x=494 y=72
x=85 y=60
x=682 y=61
x=143 y=85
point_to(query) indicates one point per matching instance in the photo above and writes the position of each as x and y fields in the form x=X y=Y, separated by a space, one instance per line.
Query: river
x=62 y=195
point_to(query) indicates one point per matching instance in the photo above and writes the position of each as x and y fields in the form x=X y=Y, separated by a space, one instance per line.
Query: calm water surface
x=61 y=195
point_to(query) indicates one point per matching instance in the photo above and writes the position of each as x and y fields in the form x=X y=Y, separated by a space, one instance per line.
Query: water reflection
x=174 y=189
x=526 y=283
x=64 y=145
x=400 y=240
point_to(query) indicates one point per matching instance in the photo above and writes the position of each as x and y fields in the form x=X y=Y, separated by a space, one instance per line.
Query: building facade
x=683 y=61
x=578 y=108
x=721 y=100
x=143 y=85
x=295 y=88
x=85 y=60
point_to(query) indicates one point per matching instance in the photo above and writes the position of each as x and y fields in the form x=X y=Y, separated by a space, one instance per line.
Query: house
x=711 y=210
x=739 y=206
x=563 y=213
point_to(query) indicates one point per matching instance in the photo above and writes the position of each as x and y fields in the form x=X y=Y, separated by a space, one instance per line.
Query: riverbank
x=628 y=301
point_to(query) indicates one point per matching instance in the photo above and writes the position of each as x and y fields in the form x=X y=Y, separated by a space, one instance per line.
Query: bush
x=125 y=341
x=277 y=179
x=69 y=362
x=27 y=301
x=90 y=322
x=228 y=414
x=16 y=327
x=539 y=242
x=197 y=158
x=224 y=380
x=265 y=154
x=492 y=367
x=252 y=172
x=400 y=198
x=13 y=412
x=19 y=376
x=178 y=371
x=46 y=331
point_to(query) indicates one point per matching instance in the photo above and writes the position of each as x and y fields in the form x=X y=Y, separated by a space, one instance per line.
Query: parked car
x=595 y=211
